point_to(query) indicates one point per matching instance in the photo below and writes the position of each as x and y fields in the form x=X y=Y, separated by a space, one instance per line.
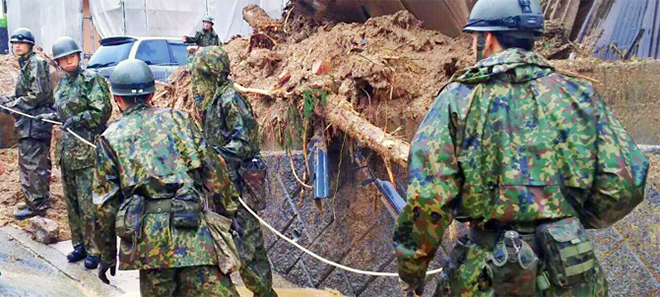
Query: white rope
x=51 y=122
x=358 y=271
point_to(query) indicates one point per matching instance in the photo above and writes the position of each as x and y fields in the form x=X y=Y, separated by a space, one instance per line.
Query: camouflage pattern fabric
x=154 y=152
x=199 y=281
x=34 y=164
x=85 y=97
x=33 y=95
x=230 y=128
x=469 y=277
x=80 y=209
x=255 y=268
x=508 y=141
x=204 y=38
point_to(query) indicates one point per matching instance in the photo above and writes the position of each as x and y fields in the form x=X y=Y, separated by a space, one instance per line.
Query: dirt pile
x=10 y=195
x=387 y=70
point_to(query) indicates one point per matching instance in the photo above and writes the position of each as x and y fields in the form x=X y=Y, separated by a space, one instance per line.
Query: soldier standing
x=231 y=130
x=527 y=156
x=33 y=96
x=206 y=36
x=153 y=176
x=82 y=102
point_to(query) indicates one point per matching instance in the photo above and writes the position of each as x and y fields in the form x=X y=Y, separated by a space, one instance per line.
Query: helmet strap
x=481 y=44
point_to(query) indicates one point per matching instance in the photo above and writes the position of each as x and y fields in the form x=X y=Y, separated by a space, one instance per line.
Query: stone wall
x=355 y=229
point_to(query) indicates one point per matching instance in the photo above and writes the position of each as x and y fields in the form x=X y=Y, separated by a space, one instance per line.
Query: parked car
x=163 y=55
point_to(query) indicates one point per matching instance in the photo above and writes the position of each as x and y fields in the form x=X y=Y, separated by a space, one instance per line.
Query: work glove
x=71 y=122
x=47 y=116
x=409 y=290
x=103 y=268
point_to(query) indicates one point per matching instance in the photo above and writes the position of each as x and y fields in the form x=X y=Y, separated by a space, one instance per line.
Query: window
x=179 y=53
x=153 y=52
x=110 y=54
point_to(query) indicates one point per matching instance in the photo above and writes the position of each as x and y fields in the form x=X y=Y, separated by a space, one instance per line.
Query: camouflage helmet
x=523 y=18
x=23 y=35
x=208 y=19
x=210 y=62
x=65 y=46
x=132 y=78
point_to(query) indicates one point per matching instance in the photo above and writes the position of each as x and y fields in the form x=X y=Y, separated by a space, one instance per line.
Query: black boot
x=91 y=262
x=78 y=254
x=28 y=212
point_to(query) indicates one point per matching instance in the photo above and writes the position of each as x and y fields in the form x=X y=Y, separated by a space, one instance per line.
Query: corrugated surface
x=623 y=28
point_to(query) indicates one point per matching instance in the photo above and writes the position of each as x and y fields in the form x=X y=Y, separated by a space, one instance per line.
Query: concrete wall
x=631 y=90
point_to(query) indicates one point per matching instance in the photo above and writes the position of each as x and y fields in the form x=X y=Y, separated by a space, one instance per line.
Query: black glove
x=71 y=122
x=103 y=268
x=46 y=116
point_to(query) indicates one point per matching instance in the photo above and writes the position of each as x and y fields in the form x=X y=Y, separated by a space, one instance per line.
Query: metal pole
x=146 y=17
x=123 y=11
x=207 y=6
x=91 y=31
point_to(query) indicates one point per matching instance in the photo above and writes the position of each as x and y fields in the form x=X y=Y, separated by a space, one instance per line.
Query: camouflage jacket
x=85 y=97
x=230 y=127
x=508 y=141
x=33 y=95
x=153 y=152
x=227 y=118
x=204 y=38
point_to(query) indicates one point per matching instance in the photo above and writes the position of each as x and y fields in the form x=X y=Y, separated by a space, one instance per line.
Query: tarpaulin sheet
x=47 y=19
x=170 y=18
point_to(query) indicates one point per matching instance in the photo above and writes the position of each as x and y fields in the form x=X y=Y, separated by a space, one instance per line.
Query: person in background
x=206 y=36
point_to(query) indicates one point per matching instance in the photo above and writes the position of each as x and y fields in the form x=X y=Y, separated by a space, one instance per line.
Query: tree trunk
x=257 y=18
x=341 y=114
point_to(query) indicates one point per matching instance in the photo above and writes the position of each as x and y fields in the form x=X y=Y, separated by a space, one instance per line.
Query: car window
x=179 y=53
x=153 y=52
x=110 y=55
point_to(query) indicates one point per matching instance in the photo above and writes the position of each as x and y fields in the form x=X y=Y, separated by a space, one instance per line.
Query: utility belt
x=528 y=258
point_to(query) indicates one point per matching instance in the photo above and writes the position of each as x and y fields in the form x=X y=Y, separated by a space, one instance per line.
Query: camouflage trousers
x=468 y=277
x=199 y=281
x=255 y=269
x=79 y=206
x=34 y=163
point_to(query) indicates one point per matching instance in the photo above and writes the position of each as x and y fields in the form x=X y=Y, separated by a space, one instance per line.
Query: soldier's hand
x=184 y=38
x=70 y=123
x=104 y=267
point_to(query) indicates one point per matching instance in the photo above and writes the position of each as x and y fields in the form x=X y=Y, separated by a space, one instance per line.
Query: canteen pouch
x=129 y=217
x=186 y=209
x=568 y=255
x=253 y=173
x=513 y=267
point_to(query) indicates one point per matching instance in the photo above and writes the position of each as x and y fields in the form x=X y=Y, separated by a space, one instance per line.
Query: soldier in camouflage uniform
x=230 y=128
x=206 y=36
x=82 y=102
x=34 y=96
x=523 y=154
x=153 y=177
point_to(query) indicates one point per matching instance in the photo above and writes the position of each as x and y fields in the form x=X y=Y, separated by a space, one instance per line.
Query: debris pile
x=373 y=81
